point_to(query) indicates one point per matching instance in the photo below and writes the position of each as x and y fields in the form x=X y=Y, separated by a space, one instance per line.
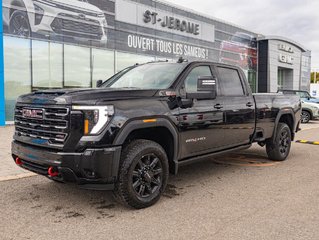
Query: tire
x=143 y=174
x=305 y=116
x=19 y=24
x=279 y=149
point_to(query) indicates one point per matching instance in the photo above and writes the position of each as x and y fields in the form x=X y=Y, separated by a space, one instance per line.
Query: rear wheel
x=143 y=174
x=305 y=116
x=278 y=149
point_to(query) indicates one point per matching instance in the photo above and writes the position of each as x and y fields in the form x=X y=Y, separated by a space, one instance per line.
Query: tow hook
x=53 y=172
x=18 y=161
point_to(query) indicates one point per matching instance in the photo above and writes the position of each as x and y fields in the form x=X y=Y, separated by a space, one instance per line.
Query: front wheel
x=305 y=116
x=278 y=149
x=19 y=24
x=143 y=174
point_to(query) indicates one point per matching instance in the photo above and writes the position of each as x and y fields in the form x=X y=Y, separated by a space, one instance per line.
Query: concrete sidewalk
x=8 y=169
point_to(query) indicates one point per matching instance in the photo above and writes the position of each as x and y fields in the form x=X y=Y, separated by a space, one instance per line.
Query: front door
x=201 y=125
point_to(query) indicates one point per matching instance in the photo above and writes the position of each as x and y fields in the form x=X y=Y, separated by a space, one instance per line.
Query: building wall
x=75 y=43
x=262 y=66
x=282 y=64
x=305 y=71
x=113 y=39
x=293 y=64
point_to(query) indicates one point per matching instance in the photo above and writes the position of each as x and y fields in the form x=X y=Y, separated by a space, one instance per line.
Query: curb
x=15 y=177
x=308 y=142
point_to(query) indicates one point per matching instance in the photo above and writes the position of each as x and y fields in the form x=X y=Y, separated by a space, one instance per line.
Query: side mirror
x=185 y=103
x=99 y=83
x=206 y=88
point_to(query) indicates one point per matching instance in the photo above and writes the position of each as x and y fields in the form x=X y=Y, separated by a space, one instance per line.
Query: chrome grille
x=53 y=127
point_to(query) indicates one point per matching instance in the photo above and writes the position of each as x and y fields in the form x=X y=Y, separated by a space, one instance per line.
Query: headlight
x=95 y=117
x=104 y=22
x=38 y=14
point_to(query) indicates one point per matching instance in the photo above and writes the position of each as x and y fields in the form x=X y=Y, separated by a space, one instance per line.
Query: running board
x=204 y=157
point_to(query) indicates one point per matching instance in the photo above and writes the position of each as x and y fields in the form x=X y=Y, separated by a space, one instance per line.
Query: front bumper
x=91 y=169
x=315 y=115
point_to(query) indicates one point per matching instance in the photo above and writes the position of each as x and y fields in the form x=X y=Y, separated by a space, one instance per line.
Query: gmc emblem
x=32 y=113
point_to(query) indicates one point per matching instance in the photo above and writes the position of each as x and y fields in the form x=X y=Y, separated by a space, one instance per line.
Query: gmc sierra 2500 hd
x=146 y=121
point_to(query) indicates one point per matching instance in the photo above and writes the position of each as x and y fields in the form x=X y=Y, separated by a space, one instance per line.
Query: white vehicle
x=70 y=18
x=310 y=111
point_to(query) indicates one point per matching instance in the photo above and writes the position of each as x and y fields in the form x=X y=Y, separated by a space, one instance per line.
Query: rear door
x=238 y=105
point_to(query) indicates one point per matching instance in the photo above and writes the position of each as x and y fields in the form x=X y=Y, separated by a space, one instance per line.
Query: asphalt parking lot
x=238 y=196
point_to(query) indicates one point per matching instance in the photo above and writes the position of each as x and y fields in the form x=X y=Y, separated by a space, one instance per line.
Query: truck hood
x=84 y=96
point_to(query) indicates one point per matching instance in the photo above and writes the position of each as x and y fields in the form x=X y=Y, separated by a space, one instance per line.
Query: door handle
x=218 y=106
x=249 y=104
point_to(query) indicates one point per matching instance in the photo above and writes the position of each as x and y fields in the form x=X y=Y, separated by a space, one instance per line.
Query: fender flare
x=282 y=112
x=138 y=124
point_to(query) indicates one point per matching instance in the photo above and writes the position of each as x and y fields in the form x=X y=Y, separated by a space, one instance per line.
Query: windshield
x=304 y=94
x=148 y=76
x=116 y=76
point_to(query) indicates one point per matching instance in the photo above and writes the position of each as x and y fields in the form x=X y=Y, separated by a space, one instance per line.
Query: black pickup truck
x=146 y=121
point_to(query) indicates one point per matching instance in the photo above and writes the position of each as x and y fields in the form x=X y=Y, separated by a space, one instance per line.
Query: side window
x=230 y=82
x=191 y=79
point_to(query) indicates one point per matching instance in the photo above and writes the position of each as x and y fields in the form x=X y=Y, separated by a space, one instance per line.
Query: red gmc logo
x=32 y=113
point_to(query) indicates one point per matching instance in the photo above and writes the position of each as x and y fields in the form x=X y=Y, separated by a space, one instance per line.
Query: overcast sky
x=297 y=19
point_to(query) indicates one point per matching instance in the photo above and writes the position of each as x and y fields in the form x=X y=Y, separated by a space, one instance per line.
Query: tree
x=313 y=75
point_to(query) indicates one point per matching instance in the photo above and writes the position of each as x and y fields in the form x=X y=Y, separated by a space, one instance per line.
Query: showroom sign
x=145 y=16
x=166 y=47
x=285 y=57
x=171 y=22
x=285 y=48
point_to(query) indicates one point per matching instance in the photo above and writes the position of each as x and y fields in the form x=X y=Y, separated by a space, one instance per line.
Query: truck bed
x=267 y=107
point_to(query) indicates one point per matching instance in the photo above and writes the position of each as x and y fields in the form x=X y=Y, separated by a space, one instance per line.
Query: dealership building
x=74 y=43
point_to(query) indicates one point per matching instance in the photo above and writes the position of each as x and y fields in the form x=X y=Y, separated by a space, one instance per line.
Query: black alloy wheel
x=284 y=141
x=147 y=176
x=143 y=174
x=278 y=147
x=19 y=24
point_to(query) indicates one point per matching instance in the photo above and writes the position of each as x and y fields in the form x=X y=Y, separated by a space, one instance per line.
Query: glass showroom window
x=77 y=70
x=47 y=65
x=103 y=64
x=124 y=60
x=17 y=71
